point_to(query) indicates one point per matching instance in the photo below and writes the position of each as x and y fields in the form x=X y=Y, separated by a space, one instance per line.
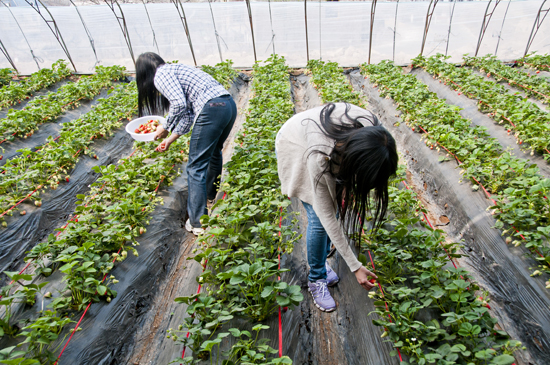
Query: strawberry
x=137 y=130
x=23 y=212
x=38 y=203
x=141 y=230
x=1 y=157
x=67 y=179
x=372 y=281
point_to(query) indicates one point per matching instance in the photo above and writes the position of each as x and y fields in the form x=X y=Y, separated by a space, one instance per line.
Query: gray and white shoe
x=321 y=296
x=332 y=278
x=195 y=231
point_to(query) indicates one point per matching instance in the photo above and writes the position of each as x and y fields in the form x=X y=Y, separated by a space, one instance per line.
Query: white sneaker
x=195 y=231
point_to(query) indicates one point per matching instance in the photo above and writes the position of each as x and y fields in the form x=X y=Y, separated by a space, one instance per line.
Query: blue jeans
x=318 y=245
x=205 y=154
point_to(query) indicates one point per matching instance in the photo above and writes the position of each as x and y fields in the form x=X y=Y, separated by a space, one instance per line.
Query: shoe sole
x=332 y=284
x=318 y=306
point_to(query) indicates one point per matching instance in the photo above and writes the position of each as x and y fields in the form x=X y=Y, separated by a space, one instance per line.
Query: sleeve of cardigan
x=324 y=207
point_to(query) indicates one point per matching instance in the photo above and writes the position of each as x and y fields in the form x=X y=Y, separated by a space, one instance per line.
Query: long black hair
x=362 y=160
x=150 y=101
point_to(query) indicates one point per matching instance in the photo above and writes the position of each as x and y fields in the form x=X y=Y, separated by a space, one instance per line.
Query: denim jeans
x=205 y=154
x=318 y=245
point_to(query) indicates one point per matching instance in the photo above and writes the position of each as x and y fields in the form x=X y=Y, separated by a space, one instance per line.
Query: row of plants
x=240 y=251
x=521 y=208
x=535 y=61
x=108 y=222
x=533 y=85
x=42 y=109
x=50 y=164
x=223 y=72
x=528 y=123
x=14 y=92
x=430 y=312
x=331 y=84
x=6 y=75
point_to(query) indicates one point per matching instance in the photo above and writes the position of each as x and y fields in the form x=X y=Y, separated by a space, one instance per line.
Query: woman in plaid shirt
x=190 y=96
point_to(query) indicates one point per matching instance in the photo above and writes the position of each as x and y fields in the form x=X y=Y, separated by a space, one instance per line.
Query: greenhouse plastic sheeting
x=337 y=31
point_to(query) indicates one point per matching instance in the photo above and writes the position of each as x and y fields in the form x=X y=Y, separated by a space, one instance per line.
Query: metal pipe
x=251 y=28
x=486 y=19
x=55 y=30
x=429 y=15
x=307 y=40
x=183 y=19
x=372 y=12
x=536 y=26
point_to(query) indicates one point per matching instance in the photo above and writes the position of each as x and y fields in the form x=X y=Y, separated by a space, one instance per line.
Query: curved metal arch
x=122 y=23
x=536 y=26
x=87 y=33
x=152 y=30
x=395 y=29
x=429 y=15
x=34 y=57
x=372 y=12
x=7 y=55
x=51 y=23
x=181 y=13
x=486 y=19
x=249 y=8
x=307 y=38
x=502 y=26
x=449 y=32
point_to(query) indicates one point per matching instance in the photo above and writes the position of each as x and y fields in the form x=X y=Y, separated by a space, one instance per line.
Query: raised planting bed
x=77 y=261
x=24 y=122
x=14 y=92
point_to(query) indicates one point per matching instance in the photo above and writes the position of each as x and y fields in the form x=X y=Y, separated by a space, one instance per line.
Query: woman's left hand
x=164 y=145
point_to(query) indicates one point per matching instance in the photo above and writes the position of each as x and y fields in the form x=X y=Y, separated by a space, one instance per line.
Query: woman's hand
x=362 y=276
x=160 y=133
x=164 y=145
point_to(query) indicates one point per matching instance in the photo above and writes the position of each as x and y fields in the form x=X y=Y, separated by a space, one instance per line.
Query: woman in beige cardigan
x=331 y=158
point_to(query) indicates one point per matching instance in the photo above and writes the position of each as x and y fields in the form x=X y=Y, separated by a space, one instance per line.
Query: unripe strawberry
x=38 y=203
x=108 y=299
x=508 y=240
x=4 y=224
x=23 y=212
x=141 y=230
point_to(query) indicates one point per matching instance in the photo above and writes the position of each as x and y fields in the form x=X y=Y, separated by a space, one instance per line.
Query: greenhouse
x=106 y=168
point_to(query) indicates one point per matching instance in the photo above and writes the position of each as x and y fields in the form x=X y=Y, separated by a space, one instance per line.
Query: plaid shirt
x=188 y=89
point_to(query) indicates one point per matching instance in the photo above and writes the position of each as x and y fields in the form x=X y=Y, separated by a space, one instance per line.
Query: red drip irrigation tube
x=279 y=278
x=5 y=139
x=66 y=224
x=104 y=277
x=385 y=303
x=522 y=86
x=34 y=191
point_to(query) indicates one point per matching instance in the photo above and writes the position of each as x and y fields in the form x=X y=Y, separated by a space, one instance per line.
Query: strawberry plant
x=330 y=82
x=17 y=91
x=6 y=75
x=223 y=73
x=245 y=236
x=527 y=121
x=532 y=85
x=24 y=122
x=535 y=61
x=50 y=164
x=481 y=157
x=109 y=220
x=430 y=312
